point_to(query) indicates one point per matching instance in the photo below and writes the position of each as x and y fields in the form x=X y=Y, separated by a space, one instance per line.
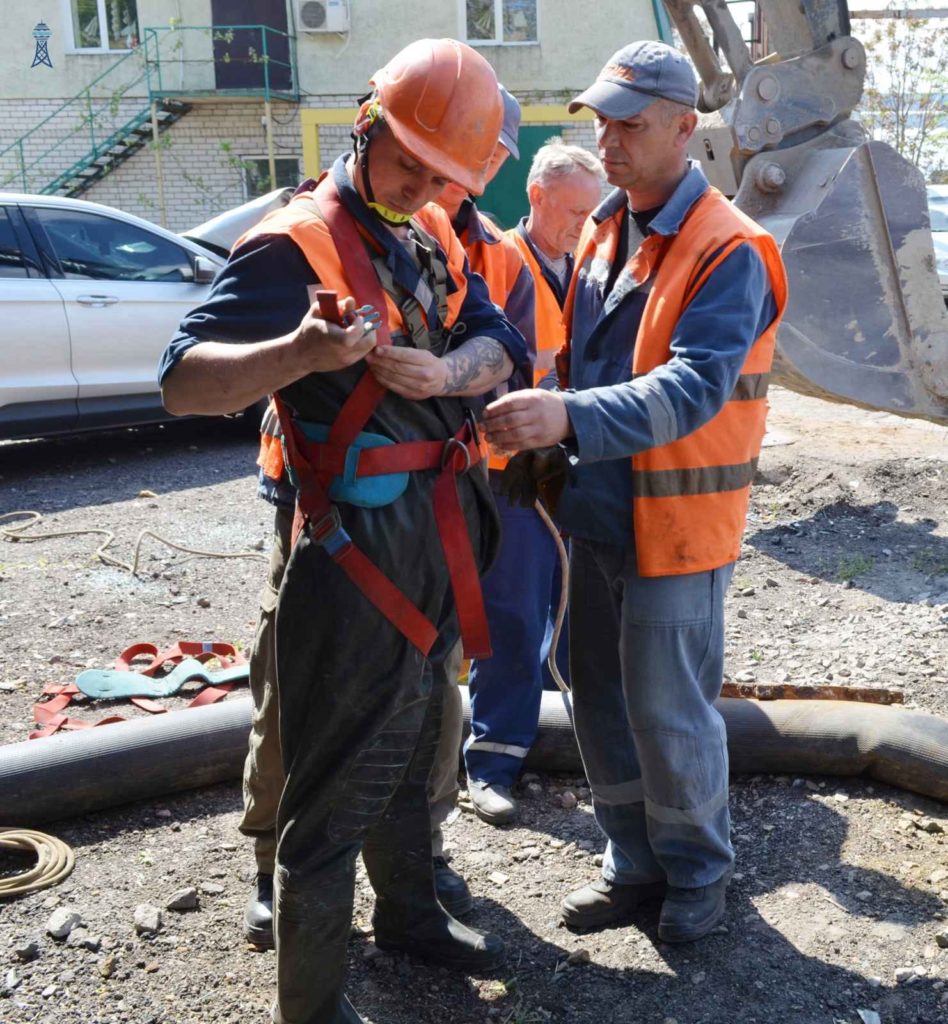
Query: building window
x=257 y=174
x=499 y=22
x=104 y=24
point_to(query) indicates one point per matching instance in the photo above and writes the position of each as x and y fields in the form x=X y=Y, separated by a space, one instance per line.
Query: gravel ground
x=840 y=905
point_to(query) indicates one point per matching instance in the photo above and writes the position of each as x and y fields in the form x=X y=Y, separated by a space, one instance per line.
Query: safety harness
x=50 y=715
x=316 y=464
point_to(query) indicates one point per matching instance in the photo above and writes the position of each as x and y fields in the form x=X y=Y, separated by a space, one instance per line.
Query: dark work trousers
x=360 y=711
x=263 y=769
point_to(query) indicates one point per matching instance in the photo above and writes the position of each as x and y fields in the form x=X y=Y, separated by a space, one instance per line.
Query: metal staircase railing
x=100 y=127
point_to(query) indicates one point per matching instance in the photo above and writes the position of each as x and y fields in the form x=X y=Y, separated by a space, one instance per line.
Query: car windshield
x=938 y=212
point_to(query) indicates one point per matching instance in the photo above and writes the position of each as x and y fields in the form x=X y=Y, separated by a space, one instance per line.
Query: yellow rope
x=15 y=533
x=54 y=861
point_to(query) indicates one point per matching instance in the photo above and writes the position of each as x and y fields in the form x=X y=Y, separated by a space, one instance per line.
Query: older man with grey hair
x=563 y=186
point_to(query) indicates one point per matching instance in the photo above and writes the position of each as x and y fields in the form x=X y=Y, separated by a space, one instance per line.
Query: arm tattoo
x=476 y=357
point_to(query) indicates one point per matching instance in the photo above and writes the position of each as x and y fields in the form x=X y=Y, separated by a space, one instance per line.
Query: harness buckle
x=327 y=532
x=451 y=446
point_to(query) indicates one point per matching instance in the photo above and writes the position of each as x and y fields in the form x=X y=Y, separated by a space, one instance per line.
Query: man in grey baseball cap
x=635 y=77
x=656 y=422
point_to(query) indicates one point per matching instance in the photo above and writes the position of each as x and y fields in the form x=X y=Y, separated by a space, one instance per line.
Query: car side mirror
x=204 y=270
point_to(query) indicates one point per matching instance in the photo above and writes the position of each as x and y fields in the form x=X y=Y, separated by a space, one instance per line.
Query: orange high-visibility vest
x=301 y=221
x=500 y=264
x=550 y=332
x=690 y=497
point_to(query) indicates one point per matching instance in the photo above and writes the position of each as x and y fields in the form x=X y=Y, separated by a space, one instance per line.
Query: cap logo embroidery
x=617 y=71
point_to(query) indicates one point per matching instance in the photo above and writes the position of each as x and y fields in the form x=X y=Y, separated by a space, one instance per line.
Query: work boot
x=345 y=1014
x=408 y=917
x=314 y=923
x=603 y=903
x=492 y=802
x=258 y=917
x=689 y=914
x=434 y=936
x=451 y=889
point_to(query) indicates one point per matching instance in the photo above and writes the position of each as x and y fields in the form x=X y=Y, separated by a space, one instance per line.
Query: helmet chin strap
x=387 y=215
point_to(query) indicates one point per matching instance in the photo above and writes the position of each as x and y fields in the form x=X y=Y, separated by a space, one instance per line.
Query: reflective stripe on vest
x=691 y=495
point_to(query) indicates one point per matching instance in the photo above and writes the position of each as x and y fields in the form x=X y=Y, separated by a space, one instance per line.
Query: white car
x=89 y=298
x=938 y=212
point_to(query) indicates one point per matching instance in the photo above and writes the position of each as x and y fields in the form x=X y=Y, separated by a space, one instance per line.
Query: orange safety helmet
x=442 y=102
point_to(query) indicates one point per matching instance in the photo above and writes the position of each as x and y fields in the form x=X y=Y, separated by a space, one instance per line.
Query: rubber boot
x=258 y=916
x=408 y=917
x=313 y=925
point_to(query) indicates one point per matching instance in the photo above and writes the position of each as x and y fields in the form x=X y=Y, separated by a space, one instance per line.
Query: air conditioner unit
x=322 y=15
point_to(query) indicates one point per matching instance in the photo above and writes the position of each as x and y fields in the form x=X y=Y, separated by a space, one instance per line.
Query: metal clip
x=450 y=447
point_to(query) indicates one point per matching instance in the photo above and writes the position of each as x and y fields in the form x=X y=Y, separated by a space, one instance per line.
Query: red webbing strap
x=200 y=650
x=50 y=715
x=406 y=617
x=459 y=554
x=367 y=394
x=404 y=457
x=313 y=501
x=314 y=507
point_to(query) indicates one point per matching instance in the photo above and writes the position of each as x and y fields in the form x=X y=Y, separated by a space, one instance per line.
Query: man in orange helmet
x=394 y=519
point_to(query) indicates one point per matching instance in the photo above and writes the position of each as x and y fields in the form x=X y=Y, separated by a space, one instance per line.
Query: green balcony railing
x=113 y=109
x=222 y=60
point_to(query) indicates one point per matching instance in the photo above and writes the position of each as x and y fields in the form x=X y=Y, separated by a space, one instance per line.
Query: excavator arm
x=865 y=323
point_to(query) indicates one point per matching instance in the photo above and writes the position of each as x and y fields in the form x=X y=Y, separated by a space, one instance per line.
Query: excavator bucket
x=865 y=322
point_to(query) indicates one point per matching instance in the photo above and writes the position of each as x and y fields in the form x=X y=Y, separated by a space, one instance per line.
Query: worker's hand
x=536 y=473
x=410 y=372
x=527 y=419
x=325 y=347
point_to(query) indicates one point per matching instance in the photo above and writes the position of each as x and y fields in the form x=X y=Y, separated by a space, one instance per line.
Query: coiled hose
x=54 y=861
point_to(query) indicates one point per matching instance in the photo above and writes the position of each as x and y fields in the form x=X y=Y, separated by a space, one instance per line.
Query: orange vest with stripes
x=300 y=219
x=550 y=332
x=690 y=497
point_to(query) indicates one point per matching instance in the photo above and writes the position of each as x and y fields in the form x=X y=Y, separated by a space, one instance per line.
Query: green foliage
x=928 y=562
x=851 y=566
x=904 y=102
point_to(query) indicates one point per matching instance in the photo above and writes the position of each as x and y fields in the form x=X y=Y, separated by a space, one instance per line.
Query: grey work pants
x=646 y=665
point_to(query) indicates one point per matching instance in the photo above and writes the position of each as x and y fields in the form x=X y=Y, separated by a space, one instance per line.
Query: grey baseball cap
x=636 y=76
x=511 y=125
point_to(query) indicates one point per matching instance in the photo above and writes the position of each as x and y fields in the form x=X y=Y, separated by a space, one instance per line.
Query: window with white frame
x=104 y=24
x=499 y=22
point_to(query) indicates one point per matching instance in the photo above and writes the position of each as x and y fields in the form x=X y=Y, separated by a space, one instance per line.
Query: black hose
x=77 y=772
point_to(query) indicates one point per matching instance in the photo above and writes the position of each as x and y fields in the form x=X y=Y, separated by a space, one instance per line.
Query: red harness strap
x=50 y=715
x=316 y=464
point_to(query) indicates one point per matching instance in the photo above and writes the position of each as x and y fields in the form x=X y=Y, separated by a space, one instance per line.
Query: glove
x=536 y=473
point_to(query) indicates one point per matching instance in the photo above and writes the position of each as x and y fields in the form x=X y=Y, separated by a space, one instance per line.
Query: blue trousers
x=646 y=665
x=521 y=594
